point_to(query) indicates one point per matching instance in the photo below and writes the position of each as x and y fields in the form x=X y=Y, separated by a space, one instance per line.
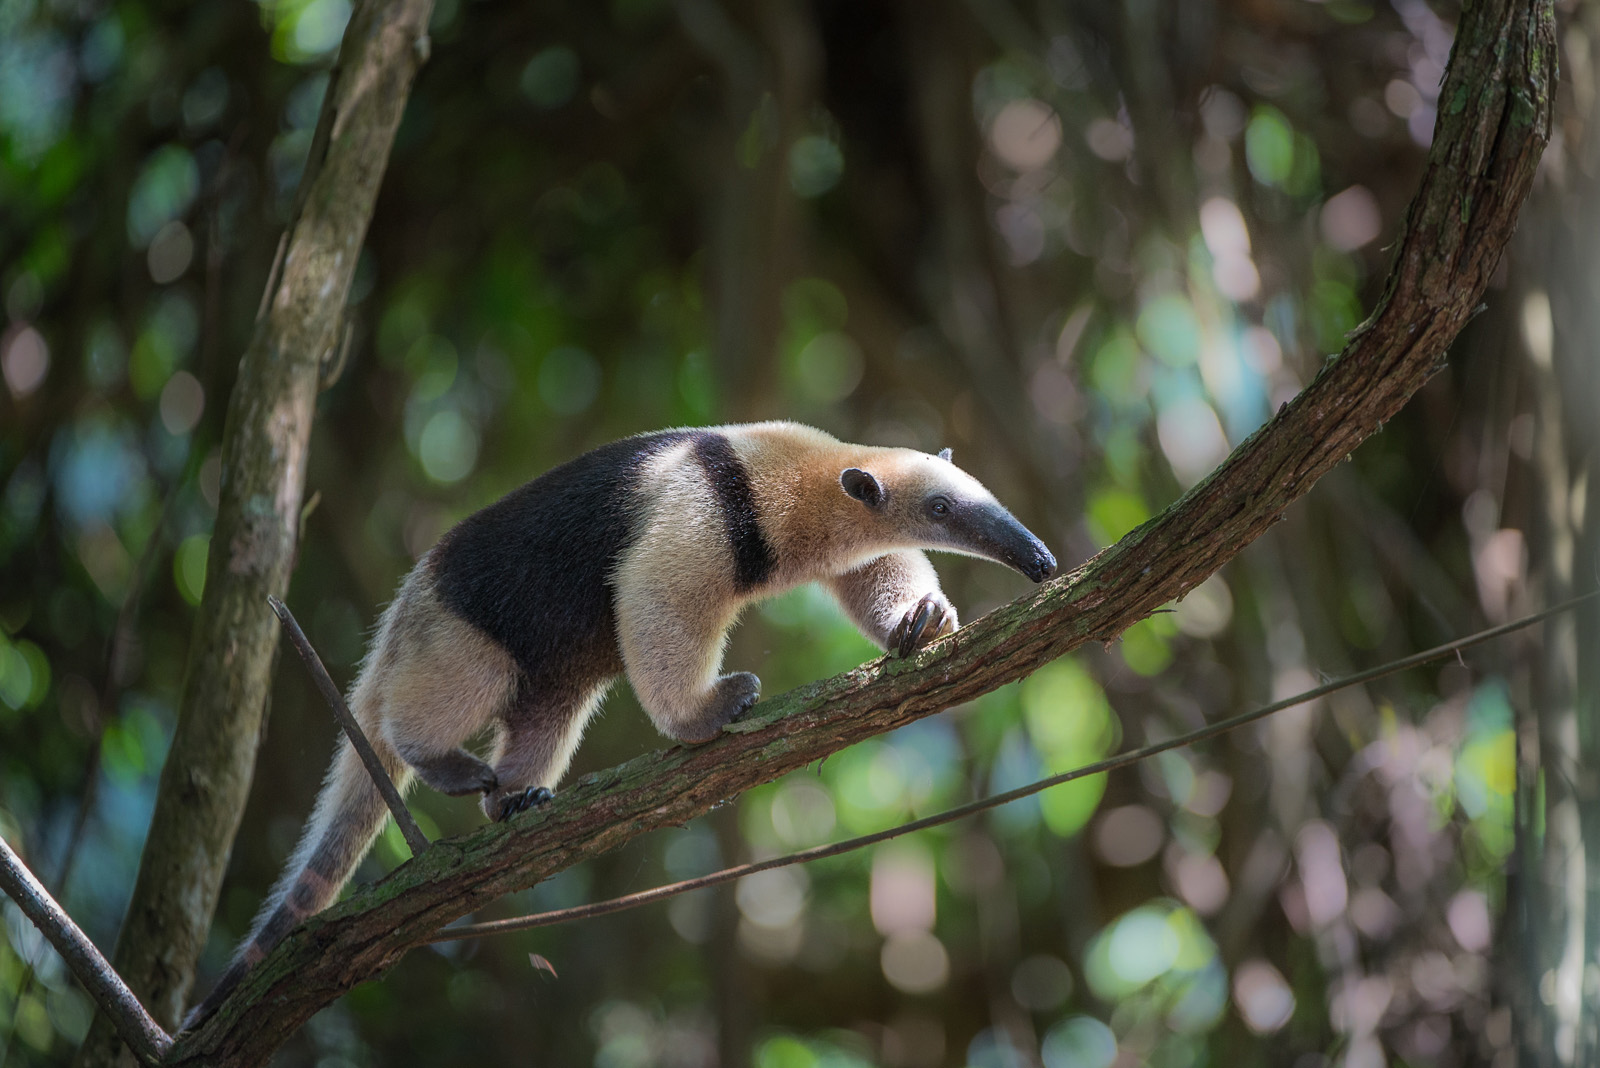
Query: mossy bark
x=206 y=779
x=1479 y=171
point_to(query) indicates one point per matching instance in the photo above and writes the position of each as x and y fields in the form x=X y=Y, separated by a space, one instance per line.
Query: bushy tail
x=348 y=815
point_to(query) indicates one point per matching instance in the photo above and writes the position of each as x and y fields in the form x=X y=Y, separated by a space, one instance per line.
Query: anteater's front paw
x=505 y=806
x=731 y=697
x=924 y=623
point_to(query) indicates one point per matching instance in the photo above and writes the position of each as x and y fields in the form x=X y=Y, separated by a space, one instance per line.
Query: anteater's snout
x=994 y=533
x=1028 y=554
x=1041 y=567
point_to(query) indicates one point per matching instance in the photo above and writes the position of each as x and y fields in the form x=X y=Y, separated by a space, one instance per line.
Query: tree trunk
x=1554 y=909
x=206 y=779
x=768 y=61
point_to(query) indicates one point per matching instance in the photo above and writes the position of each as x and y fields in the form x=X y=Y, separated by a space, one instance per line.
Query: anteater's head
x=922 y=501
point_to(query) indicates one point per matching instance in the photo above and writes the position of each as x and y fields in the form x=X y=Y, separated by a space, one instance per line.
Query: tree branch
x=415 y=839
x=1493 y=124
x=1125 y=759
x=142 y=1034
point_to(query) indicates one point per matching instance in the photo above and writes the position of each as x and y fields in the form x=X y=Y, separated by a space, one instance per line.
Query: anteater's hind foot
x=454 y=772
x=538 y=735
x=505 y=806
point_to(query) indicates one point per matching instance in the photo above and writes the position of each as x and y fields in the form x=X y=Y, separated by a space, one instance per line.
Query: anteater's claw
x=511 y=804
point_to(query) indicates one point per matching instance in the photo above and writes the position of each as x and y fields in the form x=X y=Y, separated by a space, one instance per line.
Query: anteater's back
x=533 y=570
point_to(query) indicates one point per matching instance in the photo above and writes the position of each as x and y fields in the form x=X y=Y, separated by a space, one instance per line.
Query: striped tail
x=348 y=815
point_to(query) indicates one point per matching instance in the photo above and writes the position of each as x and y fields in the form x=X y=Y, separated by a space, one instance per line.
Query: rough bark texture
x=1493 y=123
x=207 y=775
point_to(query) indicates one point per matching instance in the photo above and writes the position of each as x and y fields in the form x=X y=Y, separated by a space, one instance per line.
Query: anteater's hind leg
x=539 y=731
x=444 y=682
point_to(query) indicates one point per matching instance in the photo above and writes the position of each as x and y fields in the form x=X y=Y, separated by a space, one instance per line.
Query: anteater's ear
x=944 y=454
x=862 y=486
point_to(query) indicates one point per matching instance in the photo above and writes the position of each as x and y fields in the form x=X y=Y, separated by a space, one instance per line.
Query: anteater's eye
x=939 y=508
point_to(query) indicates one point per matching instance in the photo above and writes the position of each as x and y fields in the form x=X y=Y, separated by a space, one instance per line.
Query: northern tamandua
x=633 y=559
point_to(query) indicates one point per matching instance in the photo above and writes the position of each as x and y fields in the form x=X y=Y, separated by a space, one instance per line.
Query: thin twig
x=972 y=808
x=148 y=1042
x=352 y=730
x=272 y=276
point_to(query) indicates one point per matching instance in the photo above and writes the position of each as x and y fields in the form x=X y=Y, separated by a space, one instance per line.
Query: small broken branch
x=352 y=730
x=147 y=1040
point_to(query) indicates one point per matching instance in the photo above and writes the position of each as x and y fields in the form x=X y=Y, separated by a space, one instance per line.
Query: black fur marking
x=281 y=922
x=753 y=562
x=302 y=900
x=219 y=993
x=325 y=860
x=534 y=570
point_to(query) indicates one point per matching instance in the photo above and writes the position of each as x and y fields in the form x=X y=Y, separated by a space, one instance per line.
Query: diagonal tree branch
x=1125 y=759
x=142 y=1034
x=1493 y=124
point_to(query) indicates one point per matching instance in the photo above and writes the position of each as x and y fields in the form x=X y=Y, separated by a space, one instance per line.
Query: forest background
x=1089 y=247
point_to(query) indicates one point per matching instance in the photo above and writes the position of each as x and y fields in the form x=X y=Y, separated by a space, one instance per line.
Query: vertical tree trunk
x=769 y=59
x=1554 y=910
x=207 y=775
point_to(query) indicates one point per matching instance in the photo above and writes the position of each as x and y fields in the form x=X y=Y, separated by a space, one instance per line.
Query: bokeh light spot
x=1269 y=146
x=915 y=962
x=1129 y=835
x=448 y=446
x=1168 y=328
x=1468 y=916
x=183 y=399
x=816 y=164
x=1206 y=610
x=550 y=78
x=170 y=253
x=1041 y=982
x=1351 y=219
x=1142 y=946
x=773 y=898
x=1109 y=139
x=164 y=189
x=24 y=360
x=1264 y=998
x=1191 y=438
x=830 y=367
x=1026 y=134
x=206 y=99
x=189 y=566
x=1079 y=1042
x=1112 y=513
x=315 y=29
x=902 y=894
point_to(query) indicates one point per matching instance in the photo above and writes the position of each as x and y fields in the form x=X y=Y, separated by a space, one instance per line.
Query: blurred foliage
x=1089 y=246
